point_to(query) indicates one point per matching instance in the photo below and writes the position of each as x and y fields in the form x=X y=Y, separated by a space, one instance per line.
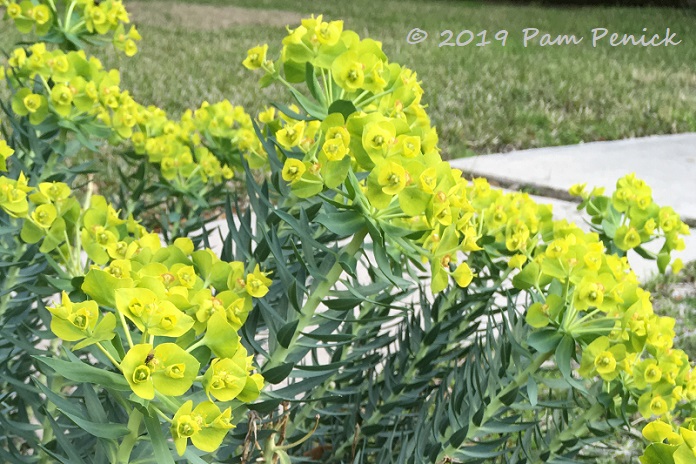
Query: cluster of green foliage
x=397 y=312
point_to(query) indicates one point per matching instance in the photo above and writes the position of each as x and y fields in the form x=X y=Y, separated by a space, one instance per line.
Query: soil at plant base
x=172 y=15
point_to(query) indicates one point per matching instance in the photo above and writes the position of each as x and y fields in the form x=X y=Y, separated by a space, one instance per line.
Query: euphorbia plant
x=72 y=94
x=361 y=145
x=73 y=23
x=155 y=314
x=398 y=312
x=72 y=98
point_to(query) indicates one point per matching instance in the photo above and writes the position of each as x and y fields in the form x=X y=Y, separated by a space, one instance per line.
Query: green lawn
x=482 y=99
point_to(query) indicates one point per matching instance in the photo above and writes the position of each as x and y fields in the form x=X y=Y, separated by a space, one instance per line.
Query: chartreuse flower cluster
x=367 y=122
x=13 y=192
x=176 y=311
x=76 y=92
x=180 y=302
x=594 y=297
x=74 y=21
x=204 y=143
x=381 y=134
x=584 y=292
x=386 y=139
x=630 y=218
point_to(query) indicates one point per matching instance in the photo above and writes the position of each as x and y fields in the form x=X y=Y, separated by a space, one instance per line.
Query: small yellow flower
x=328 y=33
x=391 y=177
x=268 y=115
x=557 y=248
x=32 y=102
x=41 y=14
x=255 y=57
x=44 y=215
x=377 y=137
x=5 y=152
x=133 y=34
x=257 y=283
x=428 y=180
x=516 y=236
x=335 y=149
x=295 y=36
x=130 y=48
x=227 y=173
x=14 y=11
x=603 y=358
x=349 y=71
x=293 y=170
x=291 y=135
x=627 y=238
x=588 y=294
x=658 y=406
x=653 y=374
x=206 y=426
x=578 y=190
x=605 y=363
x=643 y=201
x=338 y=132
x=463 y=275
x=410 y=146
x=19 y=55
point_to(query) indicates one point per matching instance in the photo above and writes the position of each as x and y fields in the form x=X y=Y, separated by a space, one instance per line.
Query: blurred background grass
x=482 y=99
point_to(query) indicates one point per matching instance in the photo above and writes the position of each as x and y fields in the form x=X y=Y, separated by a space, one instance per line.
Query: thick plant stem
x=319 y=391
x=496 y=403
x=9 y=283
x=54 y=384
x=126 y=447
x=316 y=296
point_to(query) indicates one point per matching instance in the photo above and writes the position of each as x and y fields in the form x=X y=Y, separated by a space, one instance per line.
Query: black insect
x=150 y=357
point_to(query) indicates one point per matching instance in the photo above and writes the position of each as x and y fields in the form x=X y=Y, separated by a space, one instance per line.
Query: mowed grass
x=482 y=99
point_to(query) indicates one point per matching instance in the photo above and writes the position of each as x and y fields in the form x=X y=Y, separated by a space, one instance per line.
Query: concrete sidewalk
x=666 y=163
